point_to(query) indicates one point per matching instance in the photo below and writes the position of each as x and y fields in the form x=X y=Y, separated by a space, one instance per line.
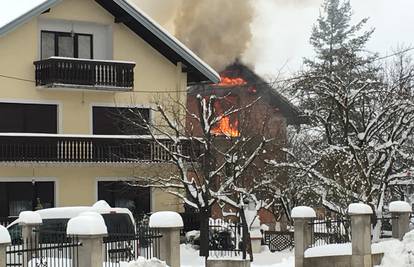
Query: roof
x=292 y=113
x=134 y=18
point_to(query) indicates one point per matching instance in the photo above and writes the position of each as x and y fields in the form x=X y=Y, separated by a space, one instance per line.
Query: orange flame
x=228 y=125
x=225 y=127
x=227 y=81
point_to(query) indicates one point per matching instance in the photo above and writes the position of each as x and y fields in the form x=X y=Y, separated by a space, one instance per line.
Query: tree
x=360 y=122
x=212 y=169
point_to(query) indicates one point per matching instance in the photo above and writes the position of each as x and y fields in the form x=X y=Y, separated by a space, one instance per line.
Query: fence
x=57 y=251
x=225 y=239
x=4 y=221
x=279 y=240
x=330 y=231
x=124 y=247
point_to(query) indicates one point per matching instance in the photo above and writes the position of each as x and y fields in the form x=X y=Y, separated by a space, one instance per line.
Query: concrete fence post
x=30 y=222
x=361 y=234
x=302 y=216
x=90 y=228
x=169 y=224
x=400 y=213
x=5 y=240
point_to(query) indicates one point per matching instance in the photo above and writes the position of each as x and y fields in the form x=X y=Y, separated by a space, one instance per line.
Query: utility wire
x=184 y=91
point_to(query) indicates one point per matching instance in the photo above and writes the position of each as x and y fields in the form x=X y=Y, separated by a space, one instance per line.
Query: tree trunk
x=247 y=243
x=204 y=232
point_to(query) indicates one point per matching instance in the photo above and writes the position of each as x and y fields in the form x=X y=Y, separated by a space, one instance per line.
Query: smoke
x=216 y=30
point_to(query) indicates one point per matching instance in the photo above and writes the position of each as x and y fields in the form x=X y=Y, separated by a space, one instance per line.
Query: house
x=269 y=116
x=65 y=66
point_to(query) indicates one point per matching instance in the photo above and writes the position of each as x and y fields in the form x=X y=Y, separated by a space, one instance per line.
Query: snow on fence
x=225 y=239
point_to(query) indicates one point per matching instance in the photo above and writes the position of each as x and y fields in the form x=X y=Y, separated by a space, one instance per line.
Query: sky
x=281 y=29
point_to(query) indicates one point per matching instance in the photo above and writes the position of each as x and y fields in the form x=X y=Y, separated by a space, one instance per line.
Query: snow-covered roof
x=15 y=13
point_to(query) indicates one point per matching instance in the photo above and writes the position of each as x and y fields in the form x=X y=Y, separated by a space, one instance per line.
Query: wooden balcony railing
x=89 y=74
x=92 y=149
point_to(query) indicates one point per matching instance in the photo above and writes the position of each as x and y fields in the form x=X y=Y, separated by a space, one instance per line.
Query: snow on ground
x=398 y=253
x=190 y=258
x=142 y=262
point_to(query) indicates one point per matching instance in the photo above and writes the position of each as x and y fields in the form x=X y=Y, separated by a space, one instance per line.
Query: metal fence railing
x=331 y=231
x=126 y=247
x=57 y=250
x=225 y=239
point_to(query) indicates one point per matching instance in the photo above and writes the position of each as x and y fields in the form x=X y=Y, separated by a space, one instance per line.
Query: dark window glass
x=19 y=196
x=120 y=121
x=120 y=194
x=65 y=44
x=84 y=46
x=28 y=118
x=48 y=44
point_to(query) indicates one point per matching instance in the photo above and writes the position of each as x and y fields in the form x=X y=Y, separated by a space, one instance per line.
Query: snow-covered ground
x=190 y=258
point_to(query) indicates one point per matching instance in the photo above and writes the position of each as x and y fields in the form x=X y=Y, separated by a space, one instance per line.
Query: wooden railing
x=67 y=148
x=94 y=74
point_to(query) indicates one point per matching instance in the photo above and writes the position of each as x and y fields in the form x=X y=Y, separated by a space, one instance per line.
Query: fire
x=228 y=81
x=225 y=127
x=228 y=125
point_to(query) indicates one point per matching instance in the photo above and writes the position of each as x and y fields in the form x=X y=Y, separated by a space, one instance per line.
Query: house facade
x=268 y=116
x=66 y=67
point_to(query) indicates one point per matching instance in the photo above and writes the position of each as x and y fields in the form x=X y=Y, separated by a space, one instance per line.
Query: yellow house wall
x=153 y=73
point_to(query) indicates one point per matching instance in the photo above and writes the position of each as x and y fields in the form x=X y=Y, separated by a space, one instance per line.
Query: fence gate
x=279 y=240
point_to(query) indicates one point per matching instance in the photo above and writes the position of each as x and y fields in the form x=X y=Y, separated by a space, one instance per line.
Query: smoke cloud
x=218 y=31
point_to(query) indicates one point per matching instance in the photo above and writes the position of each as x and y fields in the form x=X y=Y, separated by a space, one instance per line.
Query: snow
x=142 y=262
x=14 y=9
x=29 y=217
x=101 y=204
x=165 y=219
x=4 y=235
x=398 y=253
x=329 y=250
x=190 y=258
x=400 y=206
x=87 y=223
x=94 y=60
x=359 y=208
x=303 y=212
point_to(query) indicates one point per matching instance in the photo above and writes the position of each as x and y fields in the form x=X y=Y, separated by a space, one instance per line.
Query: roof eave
x=27 y=16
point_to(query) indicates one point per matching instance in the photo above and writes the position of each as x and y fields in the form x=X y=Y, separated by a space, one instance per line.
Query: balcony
x=85 y=74
x=15 y=147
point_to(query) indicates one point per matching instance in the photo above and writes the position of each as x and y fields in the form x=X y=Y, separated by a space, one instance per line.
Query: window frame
x=66 y=34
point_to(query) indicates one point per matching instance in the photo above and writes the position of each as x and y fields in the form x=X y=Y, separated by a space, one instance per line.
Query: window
x=66 y=44
x=122 y=195
x=28 y=118
x=120 y=121
x=20 y=196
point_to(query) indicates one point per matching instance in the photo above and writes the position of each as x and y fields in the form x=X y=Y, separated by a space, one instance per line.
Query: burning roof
x=237 y=77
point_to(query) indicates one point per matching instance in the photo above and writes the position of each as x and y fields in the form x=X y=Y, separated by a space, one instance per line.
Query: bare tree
x=213 y=168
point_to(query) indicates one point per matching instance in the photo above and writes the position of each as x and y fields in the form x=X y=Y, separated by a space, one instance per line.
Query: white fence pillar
x=169 y=224
x=361 y=234
x=302 y=217
x=90 y=227
x=400 y=213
